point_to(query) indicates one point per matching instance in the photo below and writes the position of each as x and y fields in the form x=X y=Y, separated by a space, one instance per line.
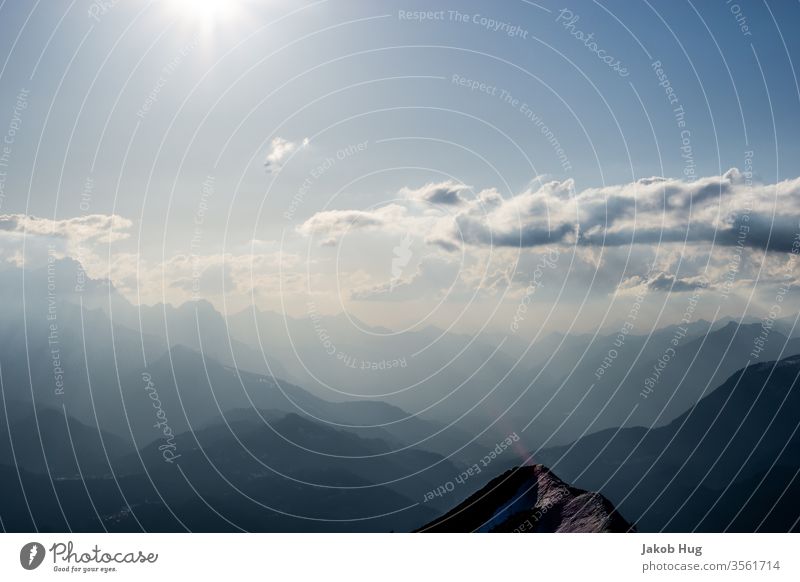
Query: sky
x=410 y=163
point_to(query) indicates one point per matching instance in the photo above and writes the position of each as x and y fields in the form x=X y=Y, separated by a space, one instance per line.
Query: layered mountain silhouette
x=46 y=440
x=290 y=474
x=531 y=499
x=94 y=389
x=729 y=463
x=661 y=378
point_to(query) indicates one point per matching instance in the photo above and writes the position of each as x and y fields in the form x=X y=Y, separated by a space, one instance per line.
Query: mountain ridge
x=531 y=499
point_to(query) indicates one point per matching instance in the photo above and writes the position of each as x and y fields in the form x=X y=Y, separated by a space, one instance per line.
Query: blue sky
x=148 y=100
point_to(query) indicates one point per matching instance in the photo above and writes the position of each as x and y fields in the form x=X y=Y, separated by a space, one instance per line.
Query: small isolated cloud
x=662 y=281
x=279 y=150
x=667 y=282
x=446 y=193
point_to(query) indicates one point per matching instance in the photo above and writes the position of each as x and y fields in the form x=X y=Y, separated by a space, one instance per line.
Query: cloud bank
x=90 y=228
x=726 y=210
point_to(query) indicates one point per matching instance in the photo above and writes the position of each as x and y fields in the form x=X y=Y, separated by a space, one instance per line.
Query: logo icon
x=31 y=555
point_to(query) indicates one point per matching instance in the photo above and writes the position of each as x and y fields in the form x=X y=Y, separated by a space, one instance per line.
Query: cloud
x=667 y=282
x=432 y=276
x=181 y=277
x=279 y=150
x=653 y=235
x=26 y=239
x=333 y=224
x=447 y=193
x=212 y=279
x=82 y=229
x=726 y=210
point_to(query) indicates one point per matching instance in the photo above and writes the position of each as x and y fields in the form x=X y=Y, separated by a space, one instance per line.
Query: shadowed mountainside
x=730 y=462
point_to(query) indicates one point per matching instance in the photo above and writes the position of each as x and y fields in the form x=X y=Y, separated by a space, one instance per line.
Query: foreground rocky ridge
x=531 y=499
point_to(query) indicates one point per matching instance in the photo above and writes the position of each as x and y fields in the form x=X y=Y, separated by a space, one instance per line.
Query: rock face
x=531 y=499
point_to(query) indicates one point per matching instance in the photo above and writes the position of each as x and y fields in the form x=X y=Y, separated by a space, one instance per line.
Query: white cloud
x=81 y=229
x=279 y=150
x=333 y=224
x=727 y=210
x=658 y=234
x=447 y=193
x=26 y=239
x=432 y=277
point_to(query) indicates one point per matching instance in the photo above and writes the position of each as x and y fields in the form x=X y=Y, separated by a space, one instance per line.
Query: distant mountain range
x=164 y=418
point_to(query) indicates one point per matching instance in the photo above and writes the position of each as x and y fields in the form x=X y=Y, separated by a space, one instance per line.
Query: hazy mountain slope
x=45 y=439
x=291 y=447
x=440 y=375
x=669 y=477
x=643 y=392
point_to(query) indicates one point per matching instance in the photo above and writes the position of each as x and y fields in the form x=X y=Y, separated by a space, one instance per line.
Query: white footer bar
x=373 y=557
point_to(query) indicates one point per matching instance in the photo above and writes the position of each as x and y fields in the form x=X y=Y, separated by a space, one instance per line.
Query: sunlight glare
x=206 y=14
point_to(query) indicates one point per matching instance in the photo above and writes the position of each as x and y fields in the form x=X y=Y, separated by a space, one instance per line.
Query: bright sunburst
x=205 y=14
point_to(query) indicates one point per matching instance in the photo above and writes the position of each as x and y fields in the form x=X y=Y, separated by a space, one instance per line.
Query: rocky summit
x=531 y=499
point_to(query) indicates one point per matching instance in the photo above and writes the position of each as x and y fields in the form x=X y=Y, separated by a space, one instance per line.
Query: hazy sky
x=408 y=168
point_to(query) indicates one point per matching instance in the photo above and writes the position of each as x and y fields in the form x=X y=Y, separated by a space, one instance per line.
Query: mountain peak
x=531 y=499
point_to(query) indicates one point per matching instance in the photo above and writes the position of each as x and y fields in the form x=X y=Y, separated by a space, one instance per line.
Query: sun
x=205 y=14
